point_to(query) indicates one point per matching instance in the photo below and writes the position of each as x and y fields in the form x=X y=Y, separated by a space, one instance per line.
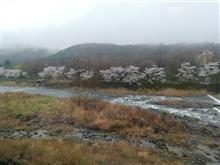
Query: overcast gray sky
x=62 y=23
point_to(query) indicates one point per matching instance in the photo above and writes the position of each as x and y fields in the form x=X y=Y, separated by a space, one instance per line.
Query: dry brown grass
x=178 y=103
x=125 y=120
x=58 y=152
x=22 y=111
x=160 y=92
x=178 y=92
x=19 y=83
x=117 y=90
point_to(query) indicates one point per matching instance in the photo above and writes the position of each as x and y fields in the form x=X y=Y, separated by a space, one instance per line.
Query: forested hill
x=114 y=50
x=102 y=56
x=105 y=55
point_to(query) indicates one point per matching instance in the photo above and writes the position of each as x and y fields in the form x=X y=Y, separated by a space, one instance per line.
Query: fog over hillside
x=24 y=54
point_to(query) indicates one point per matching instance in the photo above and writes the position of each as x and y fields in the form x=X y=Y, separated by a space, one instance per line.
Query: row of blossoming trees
x=12 y=73
x=133 y=75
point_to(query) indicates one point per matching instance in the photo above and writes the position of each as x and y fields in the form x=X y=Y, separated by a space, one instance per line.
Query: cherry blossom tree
x=187 y=73
x=208 y=71
x=86 y=75
x=71 y=74
x=52 y=72
x=80 y=74
x=132 y=75
x=153 y=75
x=12 y=73
x=113 y=75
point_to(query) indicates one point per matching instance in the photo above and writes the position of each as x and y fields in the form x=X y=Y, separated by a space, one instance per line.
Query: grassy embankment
x=18 y=82
x=162 y=91
x=157 y=92
x=119 y=90
x=26 y=112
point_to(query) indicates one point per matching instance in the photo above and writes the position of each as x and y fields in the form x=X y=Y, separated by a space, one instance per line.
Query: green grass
x=16 y=108
x=14 y=104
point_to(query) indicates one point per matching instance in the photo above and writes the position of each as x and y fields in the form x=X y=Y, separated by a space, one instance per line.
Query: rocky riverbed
x=202 y=108
x=196 y=154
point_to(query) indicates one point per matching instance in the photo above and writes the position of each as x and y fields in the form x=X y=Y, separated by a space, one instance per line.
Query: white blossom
x=52 y=72
x=24 y=74
x=207 y=71
x=86 y=75
x=187 y=73
x=114 y=74
x=71 y=74
x=82 y=74
x=154 y=75
x=132 y=75
x=12 y=73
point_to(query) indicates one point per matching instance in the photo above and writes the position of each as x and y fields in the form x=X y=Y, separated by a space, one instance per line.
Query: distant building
x=205 y=57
